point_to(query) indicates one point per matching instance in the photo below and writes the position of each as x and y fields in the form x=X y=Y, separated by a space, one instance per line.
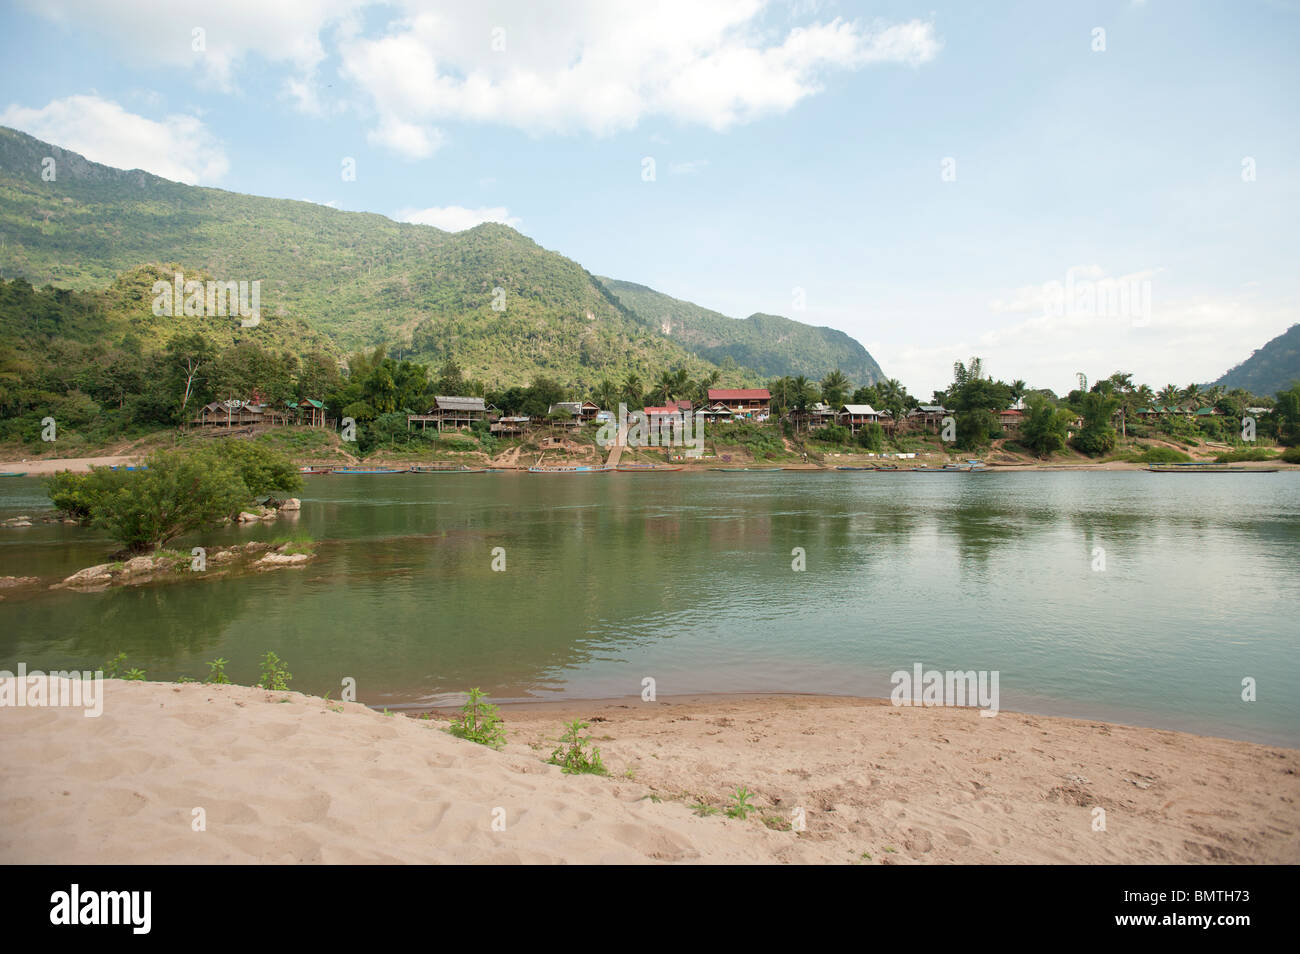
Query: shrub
x=178 y=492
x=274 y=675
x=1159 y=455
x=1291 y=455
x=571 y=754
x=479 y=722
x=1246 y=454
x=872 y=438
x=217 y=672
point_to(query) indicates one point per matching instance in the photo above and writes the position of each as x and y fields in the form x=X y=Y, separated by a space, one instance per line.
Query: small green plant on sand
x=112 y=668
x=572 y=755
x=274 y=675
x=137 y=674
x=704 y=809
x=740 y=806
x=217 y=672
x=479 y=722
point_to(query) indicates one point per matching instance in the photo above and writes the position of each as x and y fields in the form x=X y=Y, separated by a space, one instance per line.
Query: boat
x=366 y=471
x=13 y=473
x=315 y=469
x=645 y=468
x=1207 y=468
x=584 y=468
x=459 y=469
x=848 y=467
x=748 y=470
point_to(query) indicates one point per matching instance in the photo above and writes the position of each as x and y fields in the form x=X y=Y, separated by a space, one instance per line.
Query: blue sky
x=801 y=152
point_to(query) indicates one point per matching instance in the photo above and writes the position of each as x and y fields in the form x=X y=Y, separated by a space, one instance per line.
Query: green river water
x=688 y=579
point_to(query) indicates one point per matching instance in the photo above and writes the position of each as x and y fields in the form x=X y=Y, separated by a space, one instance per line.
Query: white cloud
x=179 y=147
x=601 y=66
x=591 y=65
x=455 y=218
x=406 y=139
x=146 y=32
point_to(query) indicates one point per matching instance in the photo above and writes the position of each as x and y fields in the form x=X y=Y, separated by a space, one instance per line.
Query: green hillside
x=363 y=280
x=1271 y=368
x=773 y=345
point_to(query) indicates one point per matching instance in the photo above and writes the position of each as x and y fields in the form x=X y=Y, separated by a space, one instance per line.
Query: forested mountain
x=1269 y=369
x=771 y=344
x=493 y=300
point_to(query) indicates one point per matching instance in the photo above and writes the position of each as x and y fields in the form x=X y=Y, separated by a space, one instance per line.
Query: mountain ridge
x=488 y=297
x=1270 y=368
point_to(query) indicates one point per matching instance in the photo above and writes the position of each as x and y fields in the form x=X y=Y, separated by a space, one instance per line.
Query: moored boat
x=366 y=471
x=459 y=469
x=13 y=473
x=747 y=470
x=645 y=468
x=315 y=469
x=582 y=469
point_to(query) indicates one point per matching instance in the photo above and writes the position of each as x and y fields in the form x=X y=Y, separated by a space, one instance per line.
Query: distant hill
x=1269 y=369
x=361 y=279
x=771 y=344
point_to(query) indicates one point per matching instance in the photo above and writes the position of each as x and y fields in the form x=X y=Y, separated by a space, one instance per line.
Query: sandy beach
x=78 y=465
x=287 y=778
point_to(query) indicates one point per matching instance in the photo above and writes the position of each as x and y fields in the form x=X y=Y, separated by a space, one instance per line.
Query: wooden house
x=752 y=403
x=452 y=413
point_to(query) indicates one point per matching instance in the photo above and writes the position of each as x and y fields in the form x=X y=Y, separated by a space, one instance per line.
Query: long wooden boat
x=462 y=469
x=582 y=469
x=1208 y=468
x=315 y=469
x=366 y=471
x=13 y=473
x=848 y=467
x=748 y=470
x=645 y=468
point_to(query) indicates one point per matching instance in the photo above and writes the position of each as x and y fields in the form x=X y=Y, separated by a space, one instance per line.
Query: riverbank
x=286 y=778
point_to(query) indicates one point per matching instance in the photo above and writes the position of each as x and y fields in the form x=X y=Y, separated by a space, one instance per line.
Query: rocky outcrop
x=170 y=566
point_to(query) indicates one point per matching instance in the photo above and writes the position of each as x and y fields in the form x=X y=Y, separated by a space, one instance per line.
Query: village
x=462 y=432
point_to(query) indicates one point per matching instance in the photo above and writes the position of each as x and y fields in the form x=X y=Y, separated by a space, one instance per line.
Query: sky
x=1055 y=187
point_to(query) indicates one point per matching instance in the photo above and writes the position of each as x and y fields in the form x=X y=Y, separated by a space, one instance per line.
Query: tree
x=1097 y=436
x=145 y=509
x=606 y=394
x=835 y=388
x=1045 y=426
x=1287 y=415
x=632 y=390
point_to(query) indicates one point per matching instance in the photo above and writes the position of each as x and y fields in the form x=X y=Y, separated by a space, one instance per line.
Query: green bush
x=179 y=491
x=1246 y=454
x=1291 y=455
x=479 y=722
x=571 y=753
x=1159 y=455
x=274 y=674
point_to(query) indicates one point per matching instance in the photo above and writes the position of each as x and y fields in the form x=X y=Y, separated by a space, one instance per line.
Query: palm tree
x=1018 y=389
x=1169 y=395
x=606 y=394
x=1193 y=395
x=835 y=388
x=663 y=386
x=632 y=391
